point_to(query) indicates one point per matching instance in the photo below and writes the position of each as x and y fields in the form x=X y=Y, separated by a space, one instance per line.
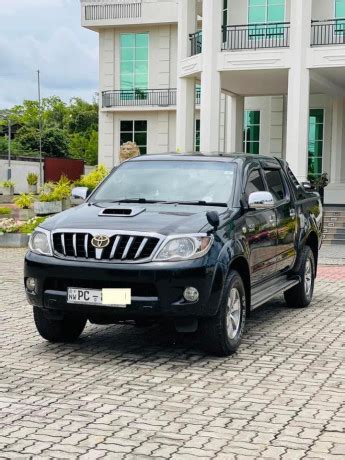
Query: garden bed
x=14 y=240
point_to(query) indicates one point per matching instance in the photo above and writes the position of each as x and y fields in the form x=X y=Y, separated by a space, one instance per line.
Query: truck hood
x=156 y=218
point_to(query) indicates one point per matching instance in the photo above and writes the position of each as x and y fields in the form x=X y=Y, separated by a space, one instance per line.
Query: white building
x=260 y=76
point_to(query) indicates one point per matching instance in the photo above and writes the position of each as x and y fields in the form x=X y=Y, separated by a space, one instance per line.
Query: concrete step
x=333 y=242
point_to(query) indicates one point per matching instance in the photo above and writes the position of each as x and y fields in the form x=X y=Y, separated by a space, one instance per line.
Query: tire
x=301 y=295
x=222 y=334
x=67 y=329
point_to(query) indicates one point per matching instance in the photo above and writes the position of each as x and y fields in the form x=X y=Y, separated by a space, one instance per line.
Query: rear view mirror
x=261 y=200
x=307 y=185
x=80 y=193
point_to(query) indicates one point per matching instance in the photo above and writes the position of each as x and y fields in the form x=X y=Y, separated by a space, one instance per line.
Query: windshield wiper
x=202 y=203
x=138 y=200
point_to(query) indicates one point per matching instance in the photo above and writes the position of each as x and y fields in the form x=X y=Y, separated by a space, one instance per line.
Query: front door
x=286 y=219
x=261 y=233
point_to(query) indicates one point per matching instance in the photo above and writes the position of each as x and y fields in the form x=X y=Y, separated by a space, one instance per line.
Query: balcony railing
x=112 y=9
x=143 y=97
x=195 y=43
x=328 y=32
x=257 y=36
x=139 y=98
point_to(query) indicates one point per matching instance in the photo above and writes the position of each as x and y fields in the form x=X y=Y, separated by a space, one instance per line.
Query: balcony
x=328 y=32
x=248 y=37
x=161 y=98
x=195 y=43
x=139 y=98
x=111 y=9
x=103 y=13
x=256 y=36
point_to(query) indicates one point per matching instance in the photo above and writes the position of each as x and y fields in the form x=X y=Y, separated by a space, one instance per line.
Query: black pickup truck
x=196 y=240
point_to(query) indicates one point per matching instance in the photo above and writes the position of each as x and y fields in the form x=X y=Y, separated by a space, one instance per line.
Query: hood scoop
x=121 y=212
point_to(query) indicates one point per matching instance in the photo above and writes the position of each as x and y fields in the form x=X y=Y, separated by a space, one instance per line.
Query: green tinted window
x=134 y=61
x=266 y=11
x=340 y=13
x=315 y=145
x=251 y=132
x=340 y=9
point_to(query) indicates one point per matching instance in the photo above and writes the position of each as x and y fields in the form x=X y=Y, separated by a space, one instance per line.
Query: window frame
x=134 y=132
x=287 y=193
x=263 y=30
x=323 y=140
x=340 y=20
x=245 y=134
x=249 y=173
x=136 y=91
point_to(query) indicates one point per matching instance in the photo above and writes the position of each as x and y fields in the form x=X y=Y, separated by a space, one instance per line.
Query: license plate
x=119 y=298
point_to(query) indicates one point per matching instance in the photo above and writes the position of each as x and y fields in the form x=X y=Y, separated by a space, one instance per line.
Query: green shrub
x=24 y=201
x=32 y=179
x=94 y=178
x=7 y=184
x=56 y=192
x=31 y=224
x=5 y=211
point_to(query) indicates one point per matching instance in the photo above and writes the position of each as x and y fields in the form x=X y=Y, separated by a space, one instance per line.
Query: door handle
x=292 y=213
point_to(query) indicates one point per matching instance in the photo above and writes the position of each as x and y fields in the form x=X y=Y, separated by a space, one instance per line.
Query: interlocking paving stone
x=122 y=392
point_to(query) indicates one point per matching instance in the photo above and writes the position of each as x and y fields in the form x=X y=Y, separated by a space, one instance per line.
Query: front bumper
x=157 y=288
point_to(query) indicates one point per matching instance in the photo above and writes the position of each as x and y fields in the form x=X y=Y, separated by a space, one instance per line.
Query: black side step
x=265 y=292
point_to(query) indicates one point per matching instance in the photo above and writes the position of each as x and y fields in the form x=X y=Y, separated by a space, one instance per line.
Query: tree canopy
x=68 y=130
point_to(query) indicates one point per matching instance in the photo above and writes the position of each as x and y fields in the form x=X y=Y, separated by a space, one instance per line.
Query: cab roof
x=217 y=156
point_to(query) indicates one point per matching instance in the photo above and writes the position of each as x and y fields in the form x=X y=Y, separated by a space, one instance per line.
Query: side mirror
x=213 y=219
x=261 y=200
x=80 y=193
x=307 y=186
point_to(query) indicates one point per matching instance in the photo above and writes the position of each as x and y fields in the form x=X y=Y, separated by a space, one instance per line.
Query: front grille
x=122 y=248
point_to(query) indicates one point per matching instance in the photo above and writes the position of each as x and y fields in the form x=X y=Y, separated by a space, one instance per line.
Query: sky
x=45 y=35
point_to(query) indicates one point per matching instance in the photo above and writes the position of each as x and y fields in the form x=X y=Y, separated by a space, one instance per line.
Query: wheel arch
x=312 y=241
x=241 y=265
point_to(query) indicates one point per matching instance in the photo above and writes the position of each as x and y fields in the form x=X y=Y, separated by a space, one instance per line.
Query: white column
x=210 y=77
x=335 y=192
x=298 y=90
x=338 y=142
x=234 y=124
x=185 y=104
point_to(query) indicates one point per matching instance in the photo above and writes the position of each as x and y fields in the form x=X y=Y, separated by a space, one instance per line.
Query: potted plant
x=7 y=188
x=5 y=211
x=62 y=191
x=48 y=203
x=24 y=203
x=32 y=180
x=320 y=183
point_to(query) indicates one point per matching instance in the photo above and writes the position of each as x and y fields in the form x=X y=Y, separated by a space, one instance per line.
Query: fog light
x=31 y=284
x=191 y=294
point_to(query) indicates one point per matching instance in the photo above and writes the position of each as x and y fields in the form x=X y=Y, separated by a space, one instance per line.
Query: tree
x=55 y=142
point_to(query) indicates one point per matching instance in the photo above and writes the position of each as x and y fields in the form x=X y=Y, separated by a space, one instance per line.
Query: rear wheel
x=67 y=329
x=301 y=295
x=222 y=334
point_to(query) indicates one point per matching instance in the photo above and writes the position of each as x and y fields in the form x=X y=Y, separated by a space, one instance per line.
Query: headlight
x=184 y=247
x=40 y=242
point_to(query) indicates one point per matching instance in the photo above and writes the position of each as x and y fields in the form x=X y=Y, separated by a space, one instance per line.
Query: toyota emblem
x=100 y=241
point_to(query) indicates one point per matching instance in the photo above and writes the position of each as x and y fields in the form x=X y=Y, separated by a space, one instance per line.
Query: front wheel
x=68 y=329
x=222 y=334
x=301 y=295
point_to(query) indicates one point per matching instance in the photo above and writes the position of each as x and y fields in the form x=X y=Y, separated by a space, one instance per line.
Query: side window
x=275 y=184
x=254 y=183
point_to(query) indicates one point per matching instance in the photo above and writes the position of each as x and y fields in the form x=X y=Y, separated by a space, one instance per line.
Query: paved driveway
x=122 y=392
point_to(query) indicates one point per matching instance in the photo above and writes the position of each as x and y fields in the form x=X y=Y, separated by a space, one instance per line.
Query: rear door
x=286 y=218
x=261 y=232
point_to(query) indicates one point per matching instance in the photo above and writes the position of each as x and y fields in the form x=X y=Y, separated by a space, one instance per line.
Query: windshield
x=171 y=181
